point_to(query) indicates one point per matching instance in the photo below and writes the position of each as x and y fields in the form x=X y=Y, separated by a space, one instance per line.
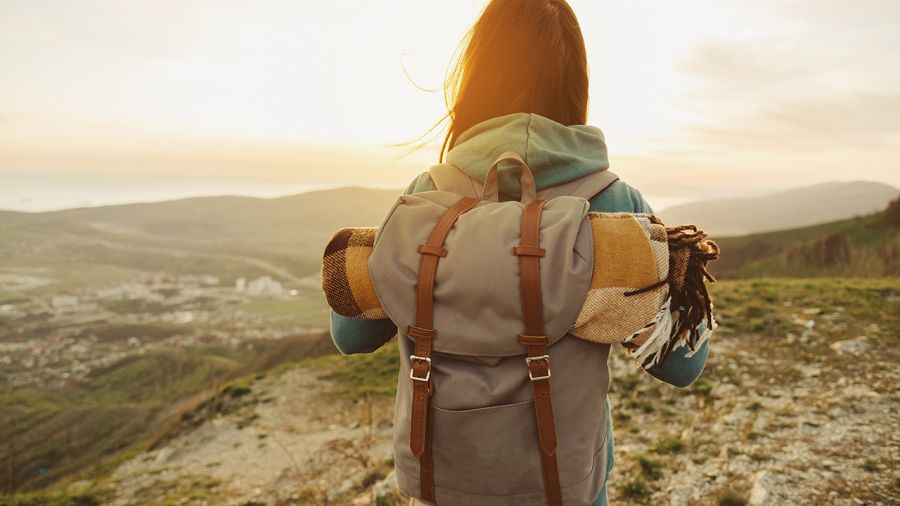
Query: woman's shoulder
x=620 y=197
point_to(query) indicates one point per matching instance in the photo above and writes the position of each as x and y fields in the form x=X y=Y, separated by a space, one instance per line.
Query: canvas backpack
x=483 y=293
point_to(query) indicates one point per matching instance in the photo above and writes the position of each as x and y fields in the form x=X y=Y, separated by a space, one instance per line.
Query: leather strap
x=491 y=187
x=424 y=334
x=537 y=360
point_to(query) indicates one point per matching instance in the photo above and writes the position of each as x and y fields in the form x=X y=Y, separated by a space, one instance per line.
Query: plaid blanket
x=647 y=291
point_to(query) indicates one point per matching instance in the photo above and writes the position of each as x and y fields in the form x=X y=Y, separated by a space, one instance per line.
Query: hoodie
x=555 y=153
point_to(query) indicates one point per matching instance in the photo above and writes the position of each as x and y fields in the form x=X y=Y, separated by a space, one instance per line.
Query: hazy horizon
x=106 y=102
x=123 y=191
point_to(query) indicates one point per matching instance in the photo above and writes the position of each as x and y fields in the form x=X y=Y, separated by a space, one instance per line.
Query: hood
x=555 y=153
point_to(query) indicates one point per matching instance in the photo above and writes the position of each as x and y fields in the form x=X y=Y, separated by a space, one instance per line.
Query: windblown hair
x=519 y=56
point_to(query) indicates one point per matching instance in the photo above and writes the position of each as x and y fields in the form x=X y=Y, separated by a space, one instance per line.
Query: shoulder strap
x=535 y=341
x=450 y=178
x=424 y=334
x=585 y=187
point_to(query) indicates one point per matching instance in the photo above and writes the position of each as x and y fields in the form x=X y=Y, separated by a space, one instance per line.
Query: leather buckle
x=426 y=361
x=530 y=360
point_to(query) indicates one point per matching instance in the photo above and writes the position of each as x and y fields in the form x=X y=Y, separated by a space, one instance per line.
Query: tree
x=893 y=212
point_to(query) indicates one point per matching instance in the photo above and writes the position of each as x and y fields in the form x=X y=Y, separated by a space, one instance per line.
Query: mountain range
x=786 y=209
x=284 y=236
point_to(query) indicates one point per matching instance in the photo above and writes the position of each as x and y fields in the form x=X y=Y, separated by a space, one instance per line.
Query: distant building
x=241 y=284
x=265 y=287
x=130 y=291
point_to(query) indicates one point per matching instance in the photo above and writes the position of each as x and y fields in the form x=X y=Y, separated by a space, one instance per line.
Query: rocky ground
x=798 y=405
x=280 y=439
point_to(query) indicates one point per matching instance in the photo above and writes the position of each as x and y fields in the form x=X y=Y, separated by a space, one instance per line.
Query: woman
x=521 y=84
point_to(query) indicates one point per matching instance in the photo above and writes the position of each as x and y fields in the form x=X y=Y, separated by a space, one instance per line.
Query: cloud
x=760 y=96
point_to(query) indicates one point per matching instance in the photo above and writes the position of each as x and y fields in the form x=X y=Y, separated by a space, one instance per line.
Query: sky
x=108 y=101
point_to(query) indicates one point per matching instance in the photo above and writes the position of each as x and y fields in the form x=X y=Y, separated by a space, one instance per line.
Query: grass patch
x=670 y=445
x=305 y=309
x=635 y=489
x=358 y=376
x=870 y=465
x=650 y=468
x=731 y=498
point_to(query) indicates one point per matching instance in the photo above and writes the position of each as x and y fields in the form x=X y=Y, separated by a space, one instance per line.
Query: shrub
x=731 y=498
x=893 y=212
x=650 y=467
x=635 y=489
x=670 y=445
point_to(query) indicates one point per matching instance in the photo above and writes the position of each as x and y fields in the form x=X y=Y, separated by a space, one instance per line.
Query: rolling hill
x=241 y=236
x=867 y=246
x=225 y=236
x=792 y=208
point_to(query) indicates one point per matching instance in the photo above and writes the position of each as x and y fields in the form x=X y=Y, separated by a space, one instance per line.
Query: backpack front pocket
x=488 y=451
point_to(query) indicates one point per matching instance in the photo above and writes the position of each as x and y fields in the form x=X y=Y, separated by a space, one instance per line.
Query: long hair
x=519 y=56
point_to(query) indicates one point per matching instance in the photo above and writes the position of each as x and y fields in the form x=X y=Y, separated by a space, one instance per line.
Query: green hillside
x=867 y=246
x=224 y=236
x=51 y=434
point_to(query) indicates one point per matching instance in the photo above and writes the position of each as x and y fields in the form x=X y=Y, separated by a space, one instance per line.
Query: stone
x=854 y=346
x=759 y=493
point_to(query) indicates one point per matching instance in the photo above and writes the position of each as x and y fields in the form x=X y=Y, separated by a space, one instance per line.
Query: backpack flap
x=477 y=294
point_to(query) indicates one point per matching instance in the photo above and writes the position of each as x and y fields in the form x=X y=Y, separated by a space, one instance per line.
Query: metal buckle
x=427 y=361
x=529 y=360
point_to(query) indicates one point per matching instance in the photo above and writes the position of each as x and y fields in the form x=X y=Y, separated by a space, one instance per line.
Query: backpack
x=480 y=416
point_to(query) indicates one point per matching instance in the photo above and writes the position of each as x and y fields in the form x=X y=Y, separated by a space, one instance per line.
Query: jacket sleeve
x=679 y=369
x=353 y=335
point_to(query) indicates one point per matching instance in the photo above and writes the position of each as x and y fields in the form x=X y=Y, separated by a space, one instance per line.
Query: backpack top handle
x=526 y=178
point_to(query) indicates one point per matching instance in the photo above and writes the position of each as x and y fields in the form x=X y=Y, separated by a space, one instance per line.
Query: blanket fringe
x=648 y=353
x=688 y=304
x=661 y=343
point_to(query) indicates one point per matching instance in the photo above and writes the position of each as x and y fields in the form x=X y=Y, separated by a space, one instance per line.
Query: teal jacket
x=556 y=154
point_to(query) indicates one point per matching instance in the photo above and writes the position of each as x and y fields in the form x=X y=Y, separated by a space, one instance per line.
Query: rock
x=385 y=488
x=725 y=390
x=727 y=452
x=855 y=346
x=760 y=492
x=809 y=371
x=162 y=456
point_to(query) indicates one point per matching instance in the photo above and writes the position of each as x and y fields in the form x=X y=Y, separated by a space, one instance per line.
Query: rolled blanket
x=647 y=288
x=345 y=274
